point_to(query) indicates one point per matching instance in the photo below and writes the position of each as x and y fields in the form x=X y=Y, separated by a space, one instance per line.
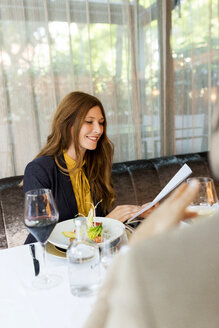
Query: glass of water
x=83 y=262
x=110 y=248
x=206 y=202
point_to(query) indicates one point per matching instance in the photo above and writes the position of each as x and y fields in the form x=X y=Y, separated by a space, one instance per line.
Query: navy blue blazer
x=43 y=172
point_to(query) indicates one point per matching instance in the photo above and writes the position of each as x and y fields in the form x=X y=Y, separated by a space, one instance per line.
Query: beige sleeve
x=101 y=309
x=119 y=303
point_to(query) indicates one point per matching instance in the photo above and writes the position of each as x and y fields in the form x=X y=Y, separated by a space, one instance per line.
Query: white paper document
x=178 y=178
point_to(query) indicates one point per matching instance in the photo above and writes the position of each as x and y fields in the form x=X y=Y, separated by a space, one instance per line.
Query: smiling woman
x=76 y=161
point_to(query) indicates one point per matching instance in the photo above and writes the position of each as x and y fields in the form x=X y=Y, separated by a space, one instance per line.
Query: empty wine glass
x=206 y=202
x=40 y=218
x=110 y=248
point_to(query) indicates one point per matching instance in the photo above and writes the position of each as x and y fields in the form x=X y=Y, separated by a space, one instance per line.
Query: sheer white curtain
x=117 y=50
x=195 y=46
x=51 y=47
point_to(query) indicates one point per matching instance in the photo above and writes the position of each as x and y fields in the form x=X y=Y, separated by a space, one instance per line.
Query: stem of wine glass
x=44 y=261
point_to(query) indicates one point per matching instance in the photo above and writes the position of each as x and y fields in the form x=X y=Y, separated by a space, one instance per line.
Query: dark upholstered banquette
x=135 y=182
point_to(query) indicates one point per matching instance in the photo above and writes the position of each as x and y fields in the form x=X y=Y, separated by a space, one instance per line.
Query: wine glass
x=109 y=248
x=206 y=202
x=40 y=218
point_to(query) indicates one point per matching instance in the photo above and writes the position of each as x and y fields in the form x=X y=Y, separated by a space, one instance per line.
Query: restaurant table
x=21 y=305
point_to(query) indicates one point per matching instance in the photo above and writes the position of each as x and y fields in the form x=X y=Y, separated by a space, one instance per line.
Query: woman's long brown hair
x=72 y=111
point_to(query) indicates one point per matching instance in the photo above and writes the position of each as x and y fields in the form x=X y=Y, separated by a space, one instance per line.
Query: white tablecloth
x=23 y=306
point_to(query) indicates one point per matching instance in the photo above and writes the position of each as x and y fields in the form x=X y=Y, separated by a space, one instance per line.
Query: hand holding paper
x=178 y=178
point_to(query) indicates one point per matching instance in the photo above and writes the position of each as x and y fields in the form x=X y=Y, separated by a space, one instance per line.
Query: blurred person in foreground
x=172 y=279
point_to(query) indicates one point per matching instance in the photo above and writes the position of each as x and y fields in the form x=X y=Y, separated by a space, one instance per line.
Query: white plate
x=114 y=227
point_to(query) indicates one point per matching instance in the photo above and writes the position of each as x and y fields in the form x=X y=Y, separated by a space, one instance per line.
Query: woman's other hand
x=124 y=212
x=168 y=214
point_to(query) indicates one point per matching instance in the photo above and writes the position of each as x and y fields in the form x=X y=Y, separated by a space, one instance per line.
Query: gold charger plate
x=53 y=250
x=129 y=233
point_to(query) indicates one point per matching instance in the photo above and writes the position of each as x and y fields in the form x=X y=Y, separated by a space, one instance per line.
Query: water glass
x=206 y=202
x=110 y=248
x=83 y=263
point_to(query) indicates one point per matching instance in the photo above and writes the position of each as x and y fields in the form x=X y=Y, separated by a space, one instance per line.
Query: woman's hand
x=147 y=212
x=168 y=214
x=124 y=212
